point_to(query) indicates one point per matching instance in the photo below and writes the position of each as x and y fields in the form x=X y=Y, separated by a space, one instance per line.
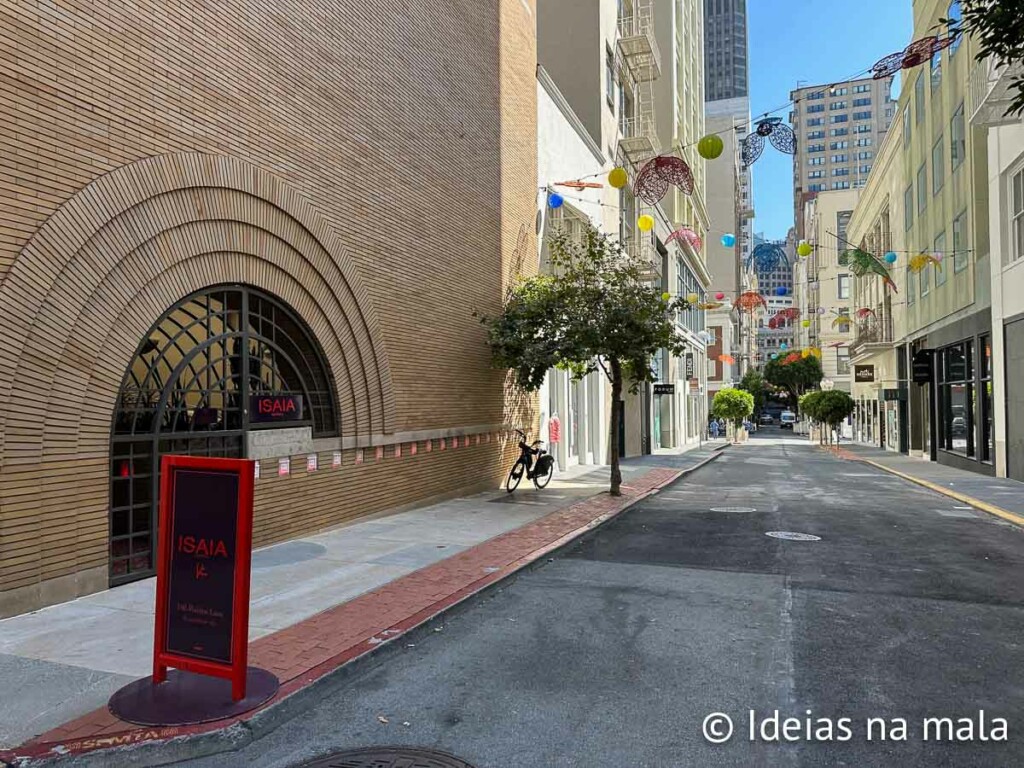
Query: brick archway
x=90 y=283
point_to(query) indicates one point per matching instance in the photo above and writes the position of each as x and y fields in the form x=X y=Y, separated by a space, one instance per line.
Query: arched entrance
x=188 y=391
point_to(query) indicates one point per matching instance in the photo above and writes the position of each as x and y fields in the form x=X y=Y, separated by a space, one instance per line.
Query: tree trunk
x=617 y=416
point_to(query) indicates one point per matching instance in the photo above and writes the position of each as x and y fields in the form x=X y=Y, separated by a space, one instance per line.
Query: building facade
x=198 y=228
x=839 y=127
x=725 y=49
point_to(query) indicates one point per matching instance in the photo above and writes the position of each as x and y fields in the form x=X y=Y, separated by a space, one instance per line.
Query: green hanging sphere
x=805 y=249
x=711 y=146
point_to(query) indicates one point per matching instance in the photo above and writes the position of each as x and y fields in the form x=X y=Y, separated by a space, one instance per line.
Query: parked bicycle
x=540 y=471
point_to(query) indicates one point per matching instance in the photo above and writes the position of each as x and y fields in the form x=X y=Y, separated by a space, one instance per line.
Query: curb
x=976 y=503
x=239 y=734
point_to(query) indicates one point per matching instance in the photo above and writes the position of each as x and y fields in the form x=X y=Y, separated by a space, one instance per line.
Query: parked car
x=766 y=419
x=787 y=420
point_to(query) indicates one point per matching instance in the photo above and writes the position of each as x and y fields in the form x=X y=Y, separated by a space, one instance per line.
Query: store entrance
x=188 y=391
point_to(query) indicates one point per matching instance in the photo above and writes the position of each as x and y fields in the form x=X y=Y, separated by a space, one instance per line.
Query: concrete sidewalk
x=66 y=660
x=996 y=495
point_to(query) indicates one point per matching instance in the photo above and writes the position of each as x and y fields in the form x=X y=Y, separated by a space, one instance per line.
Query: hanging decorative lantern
x=711 y=146
x=767 y=257
x=865 y=312
x=666 y=296
x=862 y=263
x=780 y=291
x=687 y=234
x=805 y=323
x=783 y=346
x=938 y=257
x=750 y=300
x=645 y=223
x=692 y=298
x=771 y=128
x=915 y=54
x=555 y=200
x=841 y=320
x=710 y=305
x=922 y=260
x=728 y=240
x=654 y=178
x=719 y=296
x=890 y=257
x=804 y=250
x=727 y=359
x=618 y=177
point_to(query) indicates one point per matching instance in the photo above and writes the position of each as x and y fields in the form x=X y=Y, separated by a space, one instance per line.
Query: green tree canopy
x=753 y=382
x=829 y=408
x=733 y=405
x=795 y=377
x=596 y=310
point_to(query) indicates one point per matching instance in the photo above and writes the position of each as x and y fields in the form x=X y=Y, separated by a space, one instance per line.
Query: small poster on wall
x=284 y=467
x=256 y=470
x=336 y=459
x=312 y=463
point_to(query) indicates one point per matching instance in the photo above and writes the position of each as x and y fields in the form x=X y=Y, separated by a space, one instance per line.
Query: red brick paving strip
x=310 y=649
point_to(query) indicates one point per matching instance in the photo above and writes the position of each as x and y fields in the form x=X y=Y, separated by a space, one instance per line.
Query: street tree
x=999 y=29
x=596 y=310
x=794 y=375
x=829 y=408
x=753 y=382
x=733 y=405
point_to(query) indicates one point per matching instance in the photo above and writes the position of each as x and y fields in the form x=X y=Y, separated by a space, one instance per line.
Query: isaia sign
x=264 y=408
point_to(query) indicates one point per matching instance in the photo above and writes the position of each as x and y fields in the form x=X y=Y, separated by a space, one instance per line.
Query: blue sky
x=817 y=42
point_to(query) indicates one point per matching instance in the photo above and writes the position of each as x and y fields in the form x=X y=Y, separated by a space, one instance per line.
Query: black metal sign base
x=186 y=698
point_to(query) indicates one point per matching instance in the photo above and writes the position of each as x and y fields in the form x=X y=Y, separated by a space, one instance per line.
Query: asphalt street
x=614 y=653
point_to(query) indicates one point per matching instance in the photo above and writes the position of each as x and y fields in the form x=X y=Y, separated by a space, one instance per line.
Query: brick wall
x=373 y=164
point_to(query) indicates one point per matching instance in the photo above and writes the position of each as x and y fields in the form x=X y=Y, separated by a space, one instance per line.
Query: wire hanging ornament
x=710 y=305
x=915 y=54
x=689 y=235
x=862 y=263
x=767 y=257
x=922 y=260
x=652 y=182
x=771 y=128
x=750 y=300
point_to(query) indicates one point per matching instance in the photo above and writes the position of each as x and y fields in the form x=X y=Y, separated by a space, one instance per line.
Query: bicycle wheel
x=541 y=480
x=514 y=476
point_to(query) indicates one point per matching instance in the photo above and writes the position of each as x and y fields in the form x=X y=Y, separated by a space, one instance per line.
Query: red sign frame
x=236 y=670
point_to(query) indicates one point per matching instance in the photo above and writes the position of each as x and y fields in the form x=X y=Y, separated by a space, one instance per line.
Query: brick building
x=201 y=205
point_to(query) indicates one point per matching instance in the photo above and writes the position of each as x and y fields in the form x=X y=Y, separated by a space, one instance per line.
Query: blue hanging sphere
x=890 y=257
x=783 y=345
x=728 y=240
x=555 y=200
x=780 y=291
x=775 y=355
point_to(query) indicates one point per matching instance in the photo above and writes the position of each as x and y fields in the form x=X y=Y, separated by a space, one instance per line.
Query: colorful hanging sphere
x=890 y=257
x=938 y=256
x=780 y=291
x=728 y=240
x=692 y=298
x=711 y=146
x=783 y=345
x=618 y=177
x=805 y=323
x=719 y=296
x=555 y=200
x=646 y=223
x=821 y=310
x=805 y=353
x=804 y=249
x=775 y=355
x=666 y=296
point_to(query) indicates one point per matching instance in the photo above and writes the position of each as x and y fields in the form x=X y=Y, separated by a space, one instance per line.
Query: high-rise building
x=838 y=128
x=725 y=49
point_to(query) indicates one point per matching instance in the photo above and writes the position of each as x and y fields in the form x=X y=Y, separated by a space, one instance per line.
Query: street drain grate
x=793 y=536
x=733 y=509
x=388 y=757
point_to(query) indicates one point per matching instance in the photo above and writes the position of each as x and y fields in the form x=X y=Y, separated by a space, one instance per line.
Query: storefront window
x=988 y=448
x=957 y=405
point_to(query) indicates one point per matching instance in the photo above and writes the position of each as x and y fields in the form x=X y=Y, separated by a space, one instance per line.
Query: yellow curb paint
x=983 y=506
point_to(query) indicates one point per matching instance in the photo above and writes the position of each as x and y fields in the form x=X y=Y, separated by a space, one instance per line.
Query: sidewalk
x=996 y=495
x=317 y=603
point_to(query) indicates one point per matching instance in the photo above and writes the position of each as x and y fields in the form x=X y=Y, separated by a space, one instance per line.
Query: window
x=925 y=276
x=835 y=106
x=815 y=147
x=863 y=88
x=844 y=327
x=839 y=118
x=906 y=126
x=862 y=102
x=811 y=108
x=862 y=115
x=840 y=171
x=815 y=121
x=844 y=288
x=815 y=135
x=816 y=161
x=910 y=288
x=865 y=169
x=919 y=99
x=839 y=158
x=625 y=108
x=940 y=250
x=838 y=92
x=938 y=167
x=843 y=360
x=988 y=452
x=840 y=185
x=957 y=138
x=956 y=398
x=955 y=16
x=960 y=242
x=839 y=145
x=1016 y=216
x=922 y=188
x=816 y=95
x=816 y=175
x=864 y=155
x=816 y=187
x=908 y=208
x=936 y=69
x=609 y=77
x=838 y=131
x=862 y=128
x=863 y=142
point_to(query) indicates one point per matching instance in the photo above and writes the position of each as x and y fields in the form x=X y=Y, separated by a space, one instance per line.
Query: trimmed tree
x=753 y=382
x=833 y=408
x=597 y=310
x=794 y=375
x=733 y=405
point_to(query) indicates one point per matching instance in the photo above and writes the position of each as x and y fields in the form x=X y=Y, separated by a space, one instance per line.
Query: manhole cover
x=733 y=509
x=389 y=757
x=792 y=536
